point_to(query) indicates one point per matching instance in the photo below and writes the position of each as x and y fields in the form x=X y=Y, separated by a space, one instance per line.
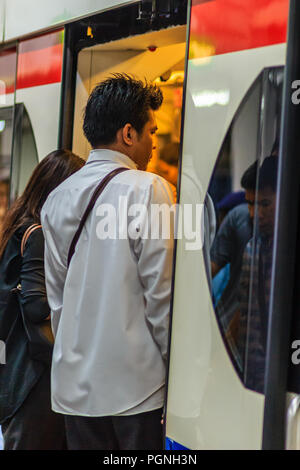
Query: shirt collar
x=111 y=156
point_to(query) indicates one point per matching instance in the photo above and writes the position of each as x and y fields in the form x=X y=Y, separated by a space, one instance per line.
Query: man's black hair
x=268 y=173
x=248 y=180
x=115 y=102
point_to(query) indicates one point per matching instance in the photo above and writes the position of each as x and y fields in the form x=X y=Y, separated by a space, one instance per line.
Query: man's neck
x=115 y=147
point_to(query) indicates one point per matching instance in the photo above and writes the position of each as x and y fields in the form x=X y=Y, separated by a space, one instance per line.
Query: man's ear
x=128 y=134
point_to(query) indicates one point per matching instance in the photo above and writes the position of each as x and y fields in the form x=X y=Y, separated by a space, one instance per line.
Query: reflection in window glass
x=7 y=74
x=14 y=175
x=255 y=281
x=5 y=157
x=28 y=153
x=243 y=188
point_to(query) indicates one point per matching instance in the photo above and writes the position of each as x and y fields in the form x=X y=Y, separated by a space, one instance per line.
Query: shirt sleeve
x=33 y=294
x=154 y=261
x=55 y=271
x=223 y=248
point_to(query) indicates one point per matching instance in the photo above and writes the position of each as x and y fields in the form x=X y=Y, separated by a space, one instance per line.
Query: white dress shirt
x=110 y=308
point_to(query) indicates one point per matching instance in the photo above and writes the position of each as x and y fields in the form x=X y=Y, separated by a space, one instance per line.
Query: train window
x=8 y=58
x=6 y=130
x=25 y=156
x=17 y=160
x=243 y=189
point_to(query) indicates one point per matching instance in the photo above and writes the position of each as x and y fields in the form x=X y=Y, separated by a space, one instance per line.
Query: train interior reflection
x=5 y=158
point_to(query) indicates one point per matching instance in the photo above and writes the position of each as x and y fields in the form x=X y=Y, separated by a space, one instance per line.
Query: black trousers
x=142 y=431
x=35 y=426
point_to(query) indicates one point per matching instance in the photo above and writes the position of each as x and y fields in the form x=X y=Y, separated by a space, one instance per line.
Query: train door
x=229 y=340
x=148 y=44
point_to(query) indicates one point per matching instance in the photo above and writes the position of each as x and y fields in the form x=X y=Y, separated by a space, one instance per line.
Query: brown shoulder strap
x=27 y=234
x=90 y=206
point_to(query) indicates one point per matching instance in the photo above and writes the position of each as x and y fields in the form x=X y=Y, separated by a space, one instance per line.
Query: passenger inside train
x=248 y=328
x=157 y=56
x=4 y=188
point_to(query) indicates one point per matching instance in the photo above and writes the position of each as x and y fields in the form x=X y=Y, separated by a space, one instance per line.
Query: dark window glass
x=15 y=171
x=25 y=156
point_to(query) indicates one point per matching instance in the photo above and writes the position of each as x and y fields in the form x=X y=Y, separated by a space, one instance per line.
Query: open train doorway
x=157 y=56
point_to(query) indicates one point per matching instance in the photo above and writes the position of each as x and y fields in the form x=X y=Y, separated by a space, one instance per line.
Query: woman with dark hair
x=28 y=423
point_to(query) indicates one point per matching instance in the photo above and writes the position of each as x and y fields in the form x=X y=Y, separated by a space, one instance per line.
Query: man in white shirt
x=110 y=307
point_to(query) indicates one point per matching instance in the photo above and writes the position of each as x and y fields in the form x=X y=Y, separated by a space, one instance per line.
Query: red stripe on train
x=40 y=67
x=222 y=26
x=217 y=27
x=40 y=60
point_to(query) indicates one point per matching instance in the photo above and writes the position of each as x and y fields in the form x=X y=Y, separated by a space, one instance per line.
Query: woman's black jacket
x=21 y=372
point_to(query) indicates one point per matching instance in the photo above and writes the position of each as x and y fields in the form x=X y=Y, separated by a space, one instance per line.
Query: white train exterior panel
x=45 y=14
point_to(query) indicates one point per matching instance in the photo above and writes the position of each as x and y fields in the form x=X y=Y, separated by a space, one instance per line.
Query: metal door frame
x=285 y=244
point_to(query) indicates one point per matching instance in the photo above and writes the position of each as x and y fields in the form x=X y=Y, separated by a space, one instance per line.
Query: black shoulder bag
x=90 y=206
